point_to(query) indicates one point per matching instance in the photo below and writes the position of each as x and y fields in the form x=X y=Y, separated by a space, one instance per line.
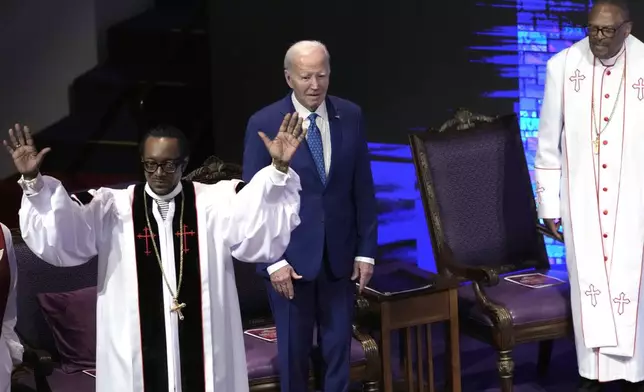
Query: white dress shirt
x=322 y=121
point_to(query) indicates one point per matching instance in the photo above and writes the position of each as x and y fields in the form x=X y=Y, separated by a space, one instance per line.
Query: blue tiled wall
x=542 y=29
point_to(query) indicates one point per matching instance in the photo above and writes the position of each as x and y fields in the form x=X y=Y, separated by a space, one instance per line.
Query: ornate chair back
x=478 y=198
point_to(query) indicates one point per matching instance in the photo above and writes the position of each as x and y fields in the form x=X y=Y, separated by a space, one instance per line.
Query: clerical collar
x=613 y=60
x=167 y=197
x=304 y=112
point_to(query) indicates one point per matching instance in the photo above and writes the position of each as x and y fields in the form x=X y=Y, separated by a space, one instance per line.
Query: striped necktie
x=164 y=206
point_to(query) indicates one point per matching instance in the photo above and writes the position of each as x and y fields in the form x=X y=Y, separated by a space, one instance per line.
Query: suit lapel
x=335 y=127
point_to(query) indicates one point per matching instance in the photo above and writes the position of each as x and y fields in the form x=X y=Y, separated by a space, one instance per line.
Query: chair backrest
x=36 y=276
x=478 y=198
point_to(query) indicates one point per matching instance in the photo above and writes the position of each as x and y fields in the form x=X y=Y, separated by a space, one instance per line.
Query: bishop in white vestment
x=10 y=347
x=168 y=317
x=590 y=173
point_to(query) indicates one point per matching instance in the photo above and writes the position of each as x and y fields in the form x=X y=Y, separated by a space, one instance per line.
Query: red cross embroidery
x=185 y=233
x=145 y=236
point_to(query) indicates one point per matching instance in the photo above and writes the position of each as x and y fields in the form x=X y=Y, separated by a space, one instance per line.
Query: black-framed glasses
x=167 y=166
x=608 y=32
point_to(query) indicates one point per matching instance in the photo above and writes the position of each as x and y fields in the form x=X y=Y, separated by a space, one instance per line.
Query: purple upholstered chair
x=481 y=215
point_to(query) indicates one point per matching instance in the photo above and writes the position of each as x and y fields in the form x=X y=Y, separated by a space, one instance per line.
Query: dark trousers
x=325 y=303
x=586 y=385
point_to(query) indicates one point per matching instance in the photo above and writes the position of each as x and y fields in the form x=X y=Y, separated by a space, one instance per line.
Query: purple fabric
x=526 y=305
x=59 y=381
x=484 y=196
x=72 y=319
x=261 y=357
x=35 y=277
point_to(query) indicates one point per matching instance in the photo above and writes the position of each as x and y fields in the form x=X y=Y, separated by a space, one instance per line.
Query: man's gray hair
x=302 y=47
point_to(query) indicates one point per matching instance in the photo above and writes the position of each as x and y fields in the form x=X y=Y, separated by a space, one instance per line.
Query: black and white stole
x=151 y=285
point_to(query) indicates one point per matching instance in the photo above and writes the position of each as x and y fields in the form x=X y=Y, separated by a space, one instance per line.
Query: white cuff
x=367 y=260
x=275 y=266
x=278 y=177
x=31 y=187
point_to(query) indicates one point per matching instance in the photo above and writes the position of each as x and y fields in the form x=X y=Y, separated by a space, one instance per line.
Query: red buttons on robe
x=605 y=142
x=607 y=96
x=604 y=166
x=605 y=212
x=605 y=258
x=607 y=72
x=605 y=235
x=605 y=189
x=606 y=119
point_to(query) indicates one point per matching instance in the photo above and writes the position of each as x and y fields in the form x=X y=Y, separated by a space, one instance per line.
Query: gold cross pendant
x=176 y=308
x=596 y=145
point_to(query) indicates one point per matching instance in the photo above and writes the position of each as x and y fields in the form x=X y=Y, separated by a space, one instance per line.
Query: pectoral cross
x=176 y=308
x=596 y=145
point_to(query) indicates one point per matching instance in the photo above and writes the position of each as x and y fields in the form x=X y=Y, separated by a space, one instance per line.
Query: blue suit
x=339 y=223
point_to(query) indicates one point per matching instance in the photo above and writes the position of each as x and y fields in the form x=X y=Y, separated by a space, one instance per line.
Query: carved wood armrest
x=483 y=275
x=368 y=343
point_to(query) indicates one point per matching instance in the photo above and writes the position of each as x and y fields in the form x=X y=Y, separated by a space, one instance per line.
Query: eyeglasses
x=167 y=166
x=608 y=32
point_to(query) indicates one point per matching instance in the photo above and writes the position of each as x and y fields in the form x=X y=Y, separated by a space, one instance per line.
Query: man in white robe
x=10 y=348
x=590 y=178
x=168 y=317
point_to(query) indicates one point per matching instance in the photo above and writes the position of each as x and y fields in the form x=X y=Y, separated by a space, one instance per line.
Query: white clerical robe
x=597 y=188
x=10 y=348
x=253 y=225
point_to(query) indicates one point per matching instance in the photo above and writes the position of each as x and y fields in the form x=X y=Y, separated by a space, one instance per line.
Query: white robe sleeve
x=256 y=223
x=8 y=334
x=57 y=229
x=547 y=163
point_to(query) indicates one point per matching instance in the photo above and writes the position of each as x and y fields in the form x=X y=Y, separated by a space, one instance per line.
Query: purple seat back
x=36 y=276
x=478 y=196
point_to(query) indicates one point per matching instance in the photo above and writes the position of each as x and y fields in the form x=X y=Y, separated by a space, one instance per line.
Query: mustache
x=599 y=43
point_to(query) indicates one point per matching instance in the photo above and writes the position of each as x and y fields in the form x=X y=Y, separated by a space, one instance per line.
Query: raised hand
x=23 y=151
x=287 y=140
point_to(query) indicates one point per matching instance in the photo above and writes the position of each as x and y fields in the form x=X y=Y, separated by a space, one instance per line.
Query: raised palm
x=23 y=151
x=288 y=138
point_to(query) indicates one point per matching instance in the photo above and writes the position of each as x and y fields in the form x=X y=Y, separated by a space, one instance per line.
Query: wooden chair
x=481 y=214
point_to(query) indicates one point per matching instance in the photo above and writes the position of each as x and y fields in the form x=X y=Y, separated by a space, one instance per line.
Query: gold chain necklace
x=176 y=306
x=594 y=120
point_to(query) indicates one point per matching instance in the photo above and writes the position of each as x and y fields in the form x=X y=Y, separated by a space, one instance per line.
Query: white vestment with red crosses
x=596 y=185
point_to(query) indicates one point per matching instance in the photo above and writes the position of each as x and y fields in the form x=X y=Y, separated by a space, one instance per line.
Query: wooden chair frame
x=503 y=335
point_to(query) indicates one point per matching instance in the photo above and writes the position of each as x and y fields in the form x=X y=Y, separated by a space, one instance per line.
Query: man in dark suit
x=312 y=286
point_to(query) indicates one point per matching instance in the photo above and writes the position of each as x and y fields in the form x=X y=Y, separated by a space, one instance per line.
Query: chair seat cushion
x=261 y=357
x=72 y=319
x=525 y=304
x=59 y=381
